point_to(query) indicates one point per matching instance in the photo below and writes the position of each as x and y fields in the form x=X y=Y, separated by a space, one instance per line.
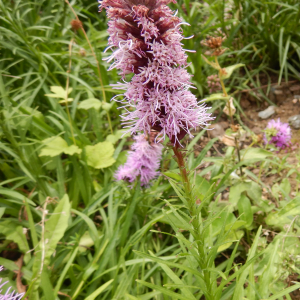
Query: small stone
x=278 y=92
x=267 y=113
x=217 y=130
x=295 y=101
x=294 y=121
x=297 y=97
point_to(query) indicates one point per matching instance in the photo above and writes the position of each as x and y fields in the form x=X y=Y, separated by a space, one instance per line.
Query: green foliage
x=100 y=155
x=82 y=235
x=56 y=146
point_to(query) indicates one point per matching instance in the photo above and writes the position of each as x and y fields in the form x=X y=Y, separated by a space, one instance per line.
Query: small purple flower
x=143 y=161
x=146 y=38
x=278 y=133
x=8 y=294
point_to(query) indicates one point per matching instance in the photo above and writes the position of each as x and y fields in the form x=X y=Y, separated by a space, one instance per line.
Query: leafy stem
x=195 y=217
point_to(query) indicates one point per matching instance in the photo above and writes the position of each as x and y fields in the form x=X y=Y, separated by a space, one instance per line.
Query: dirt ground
x=286 y=99
x=287 y=103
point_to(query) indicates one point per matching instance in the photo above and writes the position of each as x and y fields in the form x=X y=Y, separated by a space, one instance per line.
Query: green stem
x=109 y=123
x=224 y=90
x=196 y=220
x=67 y=92
x=239 y=154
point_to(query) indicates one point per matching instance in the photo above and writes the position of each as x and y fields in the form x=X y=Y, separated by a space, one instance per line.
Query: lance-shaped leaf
x=217 y=96
x=53 y=231
x=227 y=72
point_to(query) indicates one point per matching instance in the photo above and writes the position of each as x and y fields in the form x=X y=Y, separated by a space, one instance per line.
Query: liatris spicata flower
x=278 y=133
x=143 y=161
x=8 y=294
x=147 y=39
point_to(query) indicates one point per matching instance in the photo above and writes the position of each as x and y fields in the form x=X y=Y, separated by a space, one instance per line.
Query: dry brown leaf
x=228 y=140
x=229 y=108
x=63 y=294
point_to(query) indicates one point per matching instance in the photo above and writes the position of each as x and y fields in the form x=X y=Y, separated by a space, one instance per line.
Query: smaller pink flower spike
x=143 y=161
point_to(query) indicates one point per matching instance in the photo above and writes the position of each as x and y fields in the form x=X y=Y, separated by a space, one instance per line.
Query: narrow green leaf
x=163 y=290
x=200 y=157
x=89 y=222
x=99 y=290
x=284 y=292
x=245 y=211
x=168 y=263
x=54 y=230
x=185 y=290
x=227 y=72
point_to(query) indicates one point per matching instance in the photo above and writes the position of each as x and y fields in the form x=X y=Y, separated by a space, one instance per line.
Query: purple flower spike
x=146 y=38
x=143 y=161
x=8 y=294
x=278 y=133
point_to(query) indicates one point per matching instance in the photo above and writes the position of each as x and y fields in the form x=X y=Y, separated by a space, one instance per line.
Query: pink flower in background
x=146 y=40
x=143 y=161
x=278 y=133
x=8 y=294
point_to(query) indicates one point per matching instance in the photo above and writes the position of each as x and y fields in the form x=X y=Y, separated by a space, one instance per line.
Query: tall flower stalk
x=145 y=37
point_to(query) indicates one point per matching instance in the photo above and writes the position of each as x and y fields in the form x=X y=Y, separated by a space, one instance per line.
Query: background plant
x=60 y=207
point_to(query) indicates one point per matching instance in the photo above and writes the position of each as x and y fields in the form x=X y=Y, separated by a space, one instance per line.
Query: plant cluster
x=112 y=199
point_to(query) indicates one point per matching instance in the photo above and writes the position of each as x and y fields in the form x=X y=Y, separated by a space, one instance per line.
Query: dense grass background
x=83 y=249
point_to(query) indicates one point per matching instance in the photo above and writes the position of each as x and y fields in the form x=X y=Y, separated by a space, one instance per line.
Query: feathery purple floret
x=146 y=38
x=278 y=133
x=8 y=294
x=143 y=161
